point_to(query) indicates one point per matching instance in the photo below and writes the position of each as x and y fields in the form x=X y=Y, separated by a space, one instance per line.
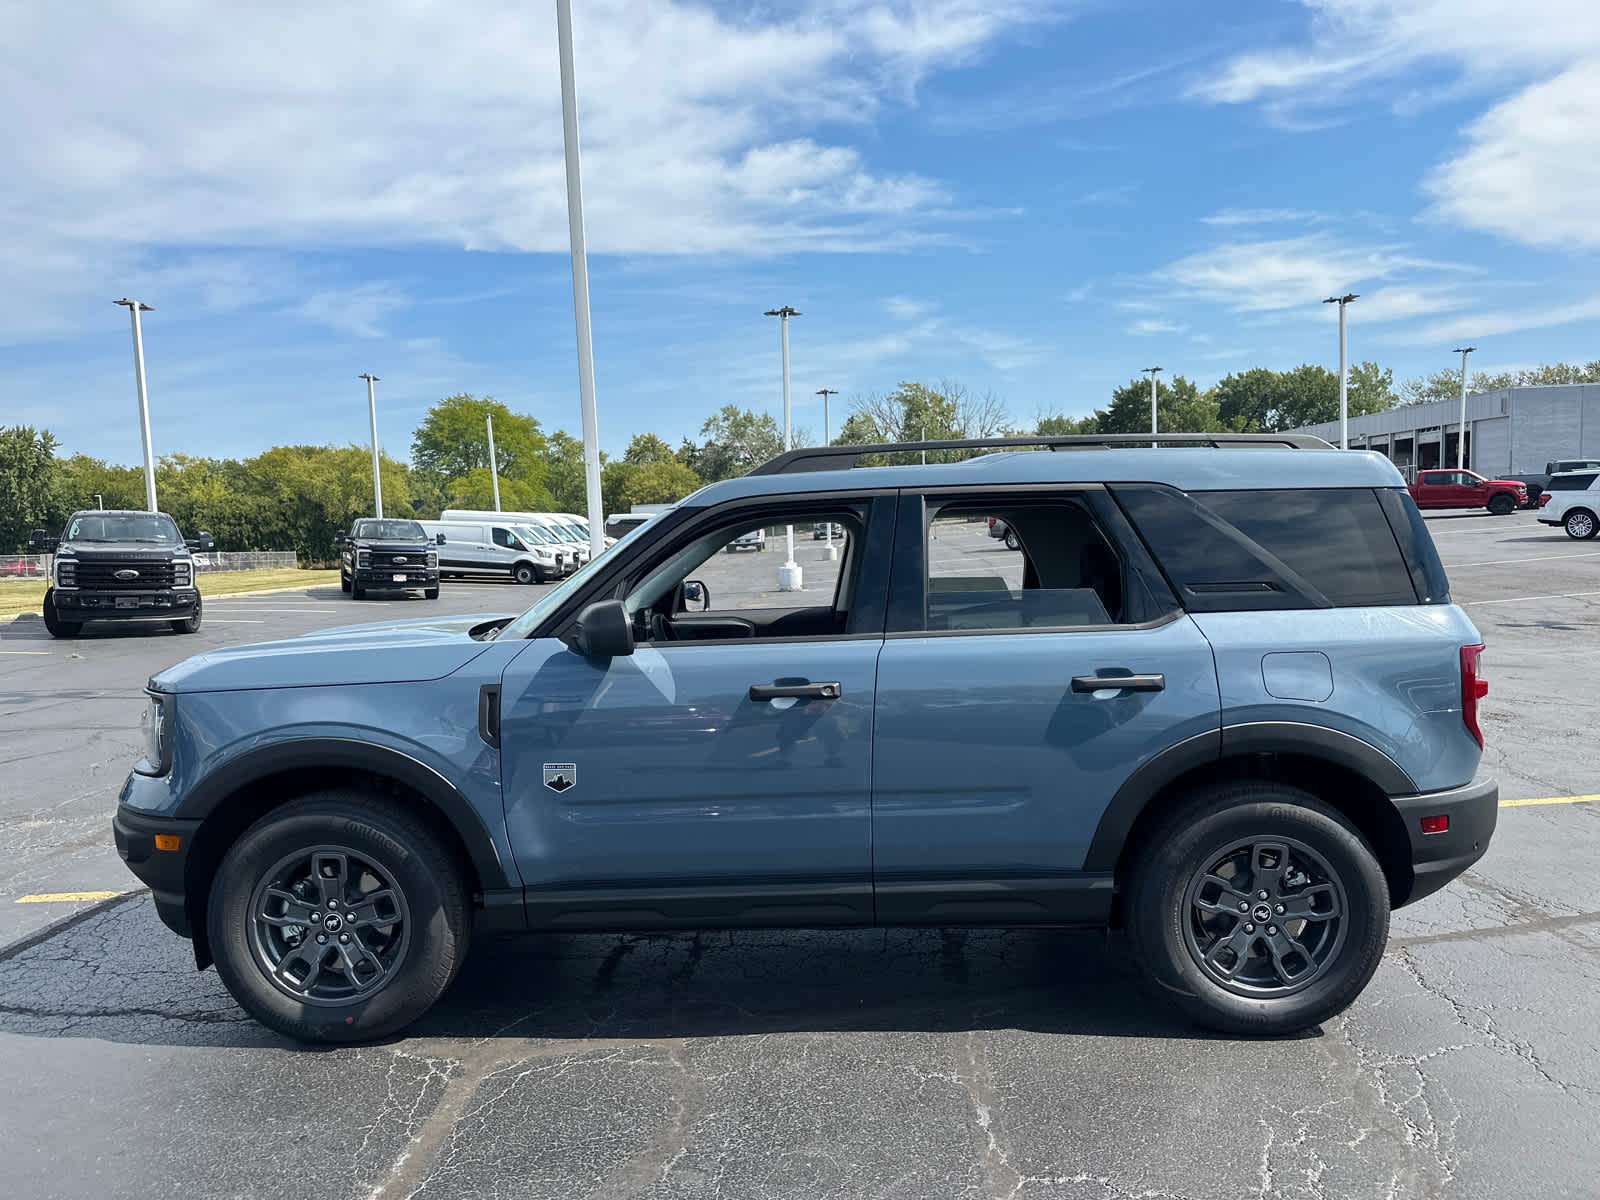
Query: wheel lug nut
x=1243 y=907
x=316 y=916
x=1279 y=909
x=344 y=937
x=1272 y=931
x=335 y=903
x=1249 y=928
x=1261 y=895
x=322 y=939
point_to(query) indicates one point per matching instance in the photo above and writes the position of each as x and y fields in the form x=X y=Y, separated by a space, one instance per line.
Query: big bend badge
x=558 y=777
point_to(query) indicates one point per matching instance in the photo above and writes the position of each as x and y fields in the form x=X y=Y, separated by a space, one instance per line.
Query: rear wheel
x=54 y=623
x=338 y=918
x=1259 y=908
x=1011 y=540
x=1501 y=504
x=1580 y=524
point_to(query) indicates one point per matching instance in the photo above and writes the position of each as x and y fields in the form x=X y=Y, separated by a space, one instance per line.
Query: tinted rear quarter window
x=1274 y=549
x=1570 y=483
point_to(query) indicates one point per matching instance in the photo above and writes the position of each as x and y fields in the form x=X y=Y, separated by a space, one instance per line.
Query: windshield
x=530 y=534
x=524 y=625
x=388 y=531
x=560 y=533
x=154 y=528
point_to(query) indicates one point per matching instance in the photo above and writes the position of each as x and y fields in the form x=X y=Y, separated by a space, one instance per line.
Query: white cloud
x=1289 y=272
x=907 y=309
x=1530 y=170
x=1148 y=326
x=358 y=310
x=1403 y=301
x=363 y=124
x=1264 y=216
x=1481 y=325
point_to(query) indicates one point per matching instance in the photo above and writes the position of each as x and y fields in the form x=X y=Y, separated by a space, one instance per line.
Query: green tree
x=453 y=440
x=1180 y=408
x=624 y=484
x=1275 y=401
x=1369 y=388
x=81 y=478
x=563 y=473
x=27 y=483
x=1059 y=424
x=475 y=490
x=648 y=448
x=733 y=442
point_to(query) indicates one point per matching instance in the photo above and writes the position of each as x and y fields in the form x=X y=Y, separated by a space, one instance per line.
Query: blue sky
x=1036 y=199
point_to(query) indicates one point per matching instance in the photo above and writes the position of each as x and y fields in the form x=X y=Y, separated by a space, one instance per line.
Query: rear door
x=1017 y=691
x=1436 y=489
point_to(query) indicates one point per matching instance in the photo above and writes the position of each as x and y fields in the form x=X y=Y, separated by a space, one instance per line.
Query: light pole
x=372 y=415
x=1154 y=423
x=789 y=574
x=829 y=551
x=1461 y=435
x=134 y=308
x=1344 y=395
x=494 y=467
x=99 y=500
x=580 y=281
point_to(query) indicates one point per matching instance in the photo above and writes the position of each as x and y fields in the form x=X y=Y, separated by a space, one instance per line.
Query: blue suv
x=1218 y=696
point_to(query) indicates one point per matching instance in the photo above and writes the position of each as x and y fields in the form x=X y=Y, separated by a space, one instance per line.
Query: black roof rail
x=838 y=458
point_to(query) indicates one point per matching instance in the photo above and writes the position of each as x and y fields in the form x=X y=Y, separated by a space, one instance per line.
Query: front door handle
x=797 y=691
x=1125 y=683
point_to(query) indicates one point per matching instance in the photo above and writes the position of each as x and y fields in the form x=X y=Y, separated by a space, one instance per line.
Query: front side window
x=1012 y=564
x=507 y=539
x=718 y=587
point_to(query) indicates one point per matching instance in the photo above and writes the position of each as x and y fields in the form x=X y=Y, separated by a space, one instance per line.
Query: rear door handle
x=797 y=691
x=1125 y=683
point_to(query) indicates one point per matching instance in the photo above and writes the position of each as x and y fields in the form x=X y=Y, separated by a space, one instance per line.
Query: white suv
x=1572 y=500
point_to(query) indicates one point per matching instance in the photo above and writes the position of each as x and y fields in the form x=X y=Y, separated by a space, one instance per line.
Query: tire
x=526 y=573
x=1501 y=504
x=1011 y=541
x=357 y=592
x=430 y=593
x=385 y=851
x=1235 y=825
x=344 y=583
x=191 y=623
x=57 y=627
x=1580 y=524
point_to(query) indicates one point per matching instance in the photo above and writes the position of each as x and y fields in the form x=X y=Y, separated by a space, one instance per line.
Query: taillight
x=1473 y=689
x=1544 y=499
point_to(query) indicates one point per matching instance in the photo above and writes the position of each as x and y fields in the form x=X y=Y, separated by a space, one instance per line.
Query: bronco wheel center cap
x=333 y=922
x=1261 y=913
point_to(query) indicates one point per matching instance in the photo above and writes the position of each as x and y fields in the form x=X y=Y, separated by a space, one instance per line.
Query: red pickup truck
x=1468 y=489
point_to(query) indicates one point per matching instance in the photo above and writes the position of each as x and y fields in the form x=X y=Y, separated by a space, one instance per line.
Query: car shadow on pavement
x=116 y=974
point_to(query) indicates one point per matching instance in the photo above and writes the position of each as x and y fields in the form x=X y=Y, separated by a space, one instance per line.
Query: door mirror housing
x=695 y=592
x=40 y=542
x=438 y=539
x=202 y=543
x=339 y=538
x=604 y=630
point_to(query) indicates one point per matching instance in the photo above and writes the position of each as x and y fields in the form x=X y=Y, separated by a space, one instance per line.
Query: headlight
x=363 y=559
x=66 y=572
x=156 y=725
x=182 y=573
x=433 y=559
x=542 y=555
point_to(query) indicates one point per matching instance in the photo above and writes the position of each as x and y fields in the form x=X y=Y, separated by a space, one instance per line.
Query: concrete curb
x=219 y=596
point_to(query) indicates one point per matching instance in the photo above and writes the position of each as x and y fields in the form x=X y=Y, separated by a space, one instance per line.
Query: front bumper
x=164 y=605
x=1437 y=858
x=162 y=870
x=398 y=577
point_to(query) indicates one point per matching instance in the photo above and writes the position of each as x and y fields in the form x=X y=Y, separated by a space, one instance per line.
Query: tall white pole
x=829 y=553
x=1344 y=393
x=790 y=581
x=372 y=415
x=494 y=466
x=580 y=282
x=1155 y=424
x=1461 y=435
x=134 y=308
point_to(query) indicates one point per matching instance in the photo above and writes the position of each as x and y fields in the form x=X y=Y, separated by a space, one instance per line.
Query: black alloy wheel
x=1501 y=504
x=526 y=573
x=53 y=622
x=191 y=623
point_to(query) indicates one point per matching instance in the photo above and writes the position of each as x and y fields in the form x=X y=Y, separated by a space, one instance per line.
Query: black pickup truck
x=1538 y=482
x=387 y=554
x=120 y=565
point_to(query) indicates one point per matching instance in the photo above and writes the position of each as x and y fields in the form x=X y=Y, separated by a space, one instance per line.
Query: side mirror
x=693 y=591
x=339 y=538
x=438 y=539
x=201 y=543
x=40 y=542
x=604 y=630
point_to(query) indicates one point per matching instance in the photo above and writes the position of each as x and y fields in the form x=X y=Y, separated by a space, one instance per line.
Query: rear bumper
x=162 y=870
x=166 y=604
x=1437 y=858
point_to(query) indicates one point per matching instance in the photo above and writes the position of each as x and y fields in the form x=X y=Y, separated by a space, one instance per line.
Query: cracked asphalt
x=1031 y=1063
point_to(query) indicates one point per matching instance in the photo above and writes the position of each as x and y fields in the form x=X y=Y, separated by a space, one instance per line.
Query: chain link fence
x=37 y=566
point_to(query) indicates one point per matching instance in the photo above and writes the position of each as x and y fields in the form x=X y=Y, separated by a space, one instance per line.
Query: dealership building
x=1509 y=431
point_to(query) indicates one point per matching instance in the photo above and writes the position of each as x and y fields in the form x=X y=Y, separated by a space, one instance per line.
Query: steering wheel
x=661 y=629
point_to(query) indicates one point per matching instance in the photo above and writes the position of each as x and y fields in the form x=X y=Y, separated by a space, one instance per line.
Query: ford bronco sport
x=1175 y=710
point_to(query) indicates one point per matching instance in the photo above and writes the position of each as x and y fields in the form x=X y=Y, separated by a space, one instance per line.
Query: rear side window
x=1273 y=549
x=1570 y=483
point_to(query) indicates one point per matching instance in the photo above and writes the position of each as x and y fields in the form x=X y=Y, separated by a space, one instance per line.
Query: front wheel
x=339 y=917
x=344 y=584
x=191 y=623
x=1580 y=524
x=1501 y=504
x=357 y=592
x=53 y=622
x=1011 y=540
x=526 y=573
x=1259 y=908
x=430 y=593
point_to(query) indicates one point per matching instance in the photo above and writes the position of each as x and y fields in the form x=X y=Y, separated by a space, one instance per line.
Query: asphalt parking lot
x=885 y=1063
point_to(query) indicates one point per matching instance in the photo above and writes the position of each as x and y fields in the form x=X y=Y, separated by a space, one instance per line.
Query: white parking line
x=1501 y=562
x=1525 y=599
x=232 y=621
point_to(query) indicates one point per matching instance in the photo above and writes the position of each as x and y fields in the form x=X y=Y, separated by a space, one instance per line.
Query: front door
x=720 y=774
x=997 y=747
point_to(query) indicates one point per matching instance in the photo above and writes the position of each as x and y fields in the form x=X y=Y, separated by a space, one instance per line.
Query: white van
x=496 y=549
x=568 y=533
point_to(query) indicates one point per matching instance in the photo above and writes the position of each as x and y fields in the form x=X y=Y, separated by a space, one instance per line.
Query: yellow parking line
x=65 y=897
x=45 y=653
x=1551 y=800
